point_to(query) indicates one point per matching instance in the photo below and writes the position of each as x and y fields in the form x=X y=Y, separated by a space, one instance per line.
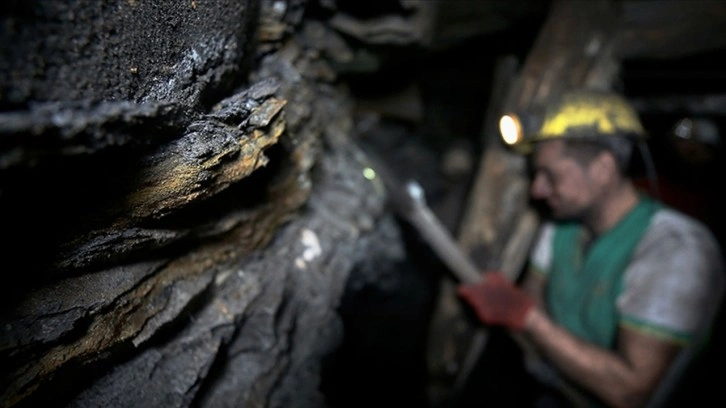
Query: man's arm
x=623 y=378
x=626 y=377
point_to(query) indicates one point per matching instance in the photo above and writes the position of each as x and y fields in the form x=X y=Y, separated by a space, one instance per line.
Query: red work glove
x=497 y=301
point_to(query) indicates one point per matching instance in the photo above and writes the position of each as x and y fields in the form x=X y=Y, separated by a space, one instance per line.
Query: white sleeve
x=675 y=281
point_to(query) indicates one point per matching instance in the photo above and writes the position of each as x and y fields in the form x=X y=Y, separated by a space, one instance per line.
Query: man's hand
x=497 y=301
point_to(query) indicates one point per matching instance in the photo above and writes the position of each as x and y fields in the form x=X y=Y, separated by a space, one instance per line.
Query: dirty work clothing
x=658 y=271
x=583 y=284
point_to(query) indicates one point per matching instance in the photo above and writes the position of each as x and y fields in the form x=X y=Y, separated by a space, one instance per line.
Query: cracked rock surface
x=183 y=201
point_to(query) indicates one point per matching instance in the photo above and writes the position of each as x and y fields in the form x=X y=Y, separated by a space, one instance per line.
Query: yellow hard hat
x=575 y=114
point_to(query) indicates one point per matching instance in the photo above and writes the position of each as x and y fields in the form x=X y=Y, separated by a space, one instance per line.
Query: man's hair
x=584 y=150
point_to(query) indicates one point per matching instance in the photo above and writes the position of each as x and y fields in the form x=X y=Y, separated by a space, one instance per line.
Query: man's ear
x=604 y=168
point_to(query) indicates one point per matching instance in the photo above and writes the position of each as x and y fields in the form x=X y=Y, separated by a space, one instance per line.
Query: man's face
x=567 y=187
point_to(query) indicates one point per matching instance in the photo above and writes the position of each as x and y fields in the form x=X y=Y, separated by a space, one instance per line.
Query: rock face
x=181 y=202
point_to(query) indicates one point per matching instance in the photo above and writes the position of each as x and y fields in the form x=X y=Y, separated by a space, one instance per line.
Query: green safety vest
x=584 y=283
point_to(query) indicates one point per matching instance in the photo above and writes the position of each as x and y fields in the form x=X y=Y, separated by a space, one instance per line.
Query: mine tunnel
x=202 y=200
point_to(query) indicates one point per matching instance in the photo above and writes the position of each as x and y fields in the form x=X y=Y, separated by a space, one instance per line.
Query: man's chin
x=557 y=214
